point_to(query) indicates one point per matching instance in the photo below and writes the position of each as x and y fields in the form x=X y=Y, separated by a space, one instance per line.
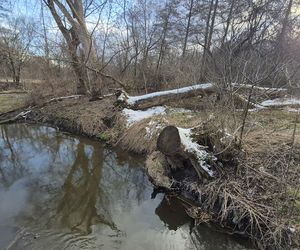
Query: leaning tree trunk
x=89 y=57
x=79 y=40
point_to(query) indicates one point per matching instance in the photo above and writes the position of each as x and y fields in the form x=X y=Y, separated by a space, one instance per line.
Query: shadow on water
x=65 y=192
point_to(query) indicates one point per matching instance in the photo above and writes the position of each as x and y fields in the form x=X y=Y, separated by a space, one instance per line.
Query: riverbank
x=257 y=190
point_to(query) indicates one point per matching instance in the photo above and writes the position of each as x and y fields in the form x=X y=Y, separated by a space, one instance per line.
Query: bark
x=206 y=37
x=80 y=44
x=152 y=99
x=179 y=159
x=187 y=31
x=228 y=22
x=285 y=24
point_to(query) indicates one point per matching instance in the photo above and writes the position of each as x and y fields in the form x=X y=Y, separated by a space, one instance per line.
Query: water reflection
x=64 y=192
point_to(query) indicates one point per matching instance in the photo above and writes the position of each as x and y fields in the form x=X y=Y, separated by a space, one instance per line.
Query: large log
x=181 y=152
x=162 y=97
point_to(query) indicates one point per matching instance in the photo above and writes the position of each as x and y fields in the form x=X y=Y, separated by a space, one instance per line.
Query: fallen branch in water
x=23 y=114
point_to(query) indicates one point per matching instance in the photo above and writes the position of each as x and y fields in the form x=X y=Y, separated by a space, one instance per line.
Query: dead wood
x=266 y=91
x=178 y=157
x=162 y=97
x=23 y=114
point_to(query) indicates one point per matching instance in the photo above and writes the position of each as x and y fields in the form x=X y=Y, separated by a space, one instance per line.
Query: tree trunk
x=79 y=40
x=228 y=22
x=285 y=24
x=187 y=31
x=162 y=97
x=206 y=35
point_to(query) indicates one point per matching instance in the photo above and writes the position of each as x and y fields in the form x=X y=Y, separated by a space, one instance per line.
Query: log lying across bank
x=181 y=152
x=161 y=97
x=211 y=188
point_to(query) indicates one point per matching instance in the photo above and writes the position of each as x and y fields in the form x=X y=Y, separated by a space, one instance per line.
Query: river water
x=59 y=191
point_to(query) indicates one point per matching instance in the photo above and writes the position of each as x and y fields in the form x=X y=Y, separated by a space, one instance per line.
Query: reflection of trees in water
x=95 y=185
x=19 y=144
x=90 y=190
x=95 y=182
x=124 y=180
x=77 y=208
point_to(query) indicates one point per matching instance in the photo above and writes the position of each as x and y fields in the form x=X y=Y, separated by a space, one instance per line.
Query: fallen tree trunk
x=281 y=102
x=269 y=92
x=224 y=198
x=179 y=157
x=161 y=97
x=239 y=99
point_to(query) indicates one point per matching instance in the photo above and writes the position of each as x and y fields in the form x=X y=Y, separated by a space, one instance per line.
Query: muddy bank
x=253 y=194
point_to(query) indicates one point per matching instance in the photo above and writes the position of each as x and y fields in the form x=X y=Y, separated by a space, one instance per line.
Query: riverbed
x=60 y=191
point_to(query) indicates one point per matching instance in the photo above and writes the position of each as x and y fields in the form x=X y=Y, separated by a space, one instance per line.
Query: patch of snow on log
x=281 y=102
x=134 y=116
x=133 y=99
x=194 y=148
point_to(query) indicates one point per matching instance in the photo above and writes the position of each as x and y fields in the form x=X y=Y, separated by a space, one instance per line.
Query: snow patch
x=293 y=110
x=193 y=147
x=123 y=97
x=134 y=116
x=152 y=127
x=133 y=99
x=281 y=102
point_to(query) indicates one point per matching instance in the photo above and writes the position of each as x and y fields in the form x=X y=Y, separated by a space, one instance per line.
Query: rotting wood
x=245 y=102
x=169 y=143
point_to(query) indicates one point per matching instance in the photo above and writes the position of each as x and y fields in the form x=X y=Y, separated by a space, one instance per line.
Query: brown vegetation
x=149 y=46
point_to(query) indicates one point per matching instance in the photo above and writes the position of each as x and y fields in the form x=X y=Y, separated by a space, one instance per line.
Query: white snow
x=293 y=110
x=122 y=97
x=281 y=102
x=134 y=116
x=152 y=127
x=193 y=147
x=133 y=99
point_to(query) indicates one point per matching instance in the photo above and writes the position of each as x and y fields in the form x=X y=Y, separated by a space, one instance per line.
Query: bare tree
x=15 y=42
x=70 y=19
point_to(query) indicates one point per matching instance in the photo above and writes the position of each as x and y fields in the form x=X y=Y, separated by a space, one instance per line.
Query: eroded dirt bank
x=255 y=191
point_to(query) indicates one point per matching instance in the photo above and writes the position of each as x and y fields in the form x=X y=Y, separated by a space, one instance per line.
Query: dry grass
x=9 y=102
x=138 y=140
x=78 y=115
x=258 y=194
x=141 y=137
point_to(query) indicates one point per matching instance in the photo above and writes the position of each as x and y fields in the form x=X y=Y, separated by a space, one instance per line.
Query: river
x=60 y=191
